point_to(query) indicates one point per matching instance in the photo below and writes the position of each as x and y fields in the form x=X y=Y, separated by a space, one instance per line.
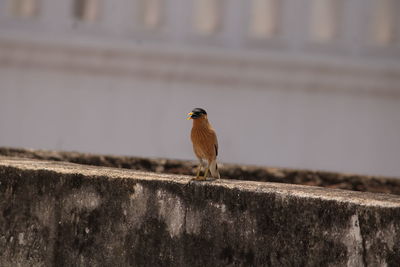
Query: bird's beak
x=190 y=115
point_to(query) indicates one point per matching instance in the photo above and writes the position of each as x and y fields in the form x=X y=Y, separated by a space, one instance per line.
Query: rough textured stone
x=63 y=214
x=228 y=171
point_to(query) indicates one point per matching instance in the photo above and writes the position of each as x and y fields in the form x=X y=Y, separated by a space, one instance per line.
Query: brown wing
x=215 y=143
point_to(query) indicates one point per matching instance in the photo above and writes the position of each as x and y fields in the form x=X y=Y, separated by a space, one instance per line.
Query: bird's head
x=197 y=113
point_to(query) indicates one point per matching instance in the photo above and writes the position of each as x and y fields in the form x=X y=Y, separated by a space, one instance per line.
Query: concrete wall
x=62 y=214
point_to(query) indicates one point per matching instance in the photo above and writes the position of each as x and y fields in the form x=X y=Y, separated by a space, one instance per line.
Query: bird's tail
x=214 y=169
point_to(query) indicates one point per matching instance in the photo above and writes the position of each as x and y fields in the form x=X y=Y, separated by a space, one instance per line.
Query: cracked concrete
x=64 y=214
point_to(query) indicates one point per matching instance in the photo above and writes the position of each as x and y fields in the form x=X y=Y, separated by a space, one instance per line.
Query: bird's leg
x=198 y=170
x=206 y=172
x=198 y=177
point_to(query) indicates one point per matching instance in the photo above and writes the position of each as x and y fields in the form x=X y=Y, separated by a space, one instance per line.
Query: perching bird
x=205 y=143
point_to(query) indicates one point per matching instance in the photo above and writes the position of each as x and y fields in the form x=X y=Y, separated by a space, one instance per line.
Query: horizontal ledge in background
x=207 y=68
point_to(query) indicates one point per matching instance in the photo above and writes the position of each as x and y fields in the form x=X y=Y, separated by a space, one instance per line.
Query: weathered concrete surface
x=63 y=214
x=230 y=171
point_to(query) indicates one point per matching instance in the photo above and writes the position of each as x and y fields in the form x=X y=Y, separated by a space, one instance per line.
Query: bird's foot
x=202 y=178
x=199 y=178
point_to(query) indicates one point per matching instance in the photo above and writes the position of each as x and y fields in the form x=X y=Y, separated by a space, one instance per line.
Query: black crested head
x=197 y=113
x=199 y=110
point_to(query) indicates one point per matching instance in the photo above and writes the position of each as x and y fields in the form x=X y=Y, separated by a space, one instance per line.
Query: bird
x=205 y=143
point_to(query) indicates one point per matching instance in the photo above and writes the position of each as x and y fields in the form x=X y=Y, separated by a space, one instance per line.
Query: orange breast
x=204 y=142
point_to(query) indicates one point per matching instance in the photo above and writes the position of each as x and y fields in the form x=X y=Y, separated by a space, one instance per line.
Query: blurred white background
x=288 y=83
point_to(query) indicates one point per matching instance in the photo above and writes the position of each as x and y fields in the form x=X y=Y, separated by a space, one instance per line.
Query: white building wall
x=122 y=81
